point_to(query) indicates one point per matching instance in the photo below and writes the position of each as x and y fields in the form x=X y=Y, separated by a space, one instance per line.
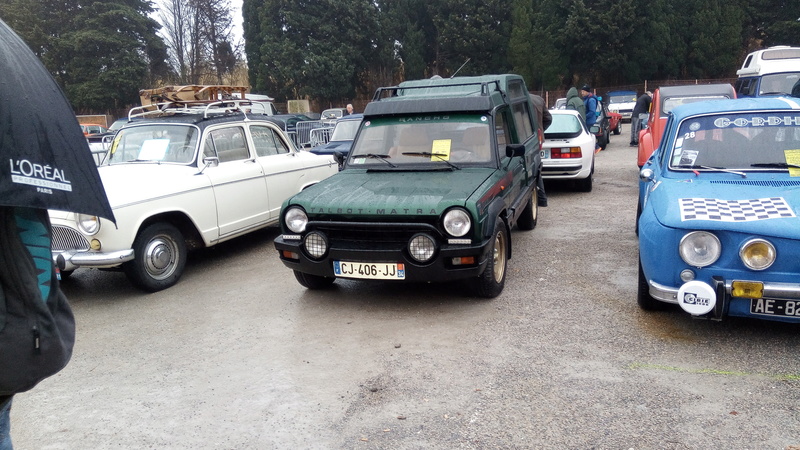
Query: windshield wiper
x=381 y=157
x=441 y=157
x=716 y=169
x=776 y=165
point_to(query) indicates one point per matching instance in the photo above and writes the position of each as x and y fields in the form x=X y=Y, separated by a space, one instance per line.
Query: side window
x=501 y=130
x=522 y=120
x=266 y=141
x=229 y=144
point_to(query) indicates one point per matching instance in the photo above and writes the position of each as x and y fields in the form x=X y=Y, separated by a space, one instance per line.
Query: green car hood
x=397 y=193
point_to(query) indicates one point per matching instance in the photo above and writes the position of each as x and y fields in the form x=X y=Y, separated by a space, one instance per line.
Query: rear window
x=563 y=126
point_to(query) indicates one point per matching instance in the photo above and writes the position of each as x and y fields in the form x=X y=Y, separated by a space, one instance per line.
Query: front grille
x=386 y=236
x=65 y=238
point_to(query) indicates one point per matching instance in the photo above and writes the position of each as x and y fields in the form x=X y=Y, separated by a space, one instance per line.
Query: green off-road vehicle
x=439 y=173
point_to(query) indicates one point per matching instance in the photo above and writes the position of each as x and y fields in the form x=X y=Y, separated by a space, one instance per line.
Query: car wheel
x=618 y=129
x=313 y=281
x=159 y=257
x=65 y=274
x=491 y=282
x=643 y=297
x=530 y=215
x=584 y=185
x=638 y=214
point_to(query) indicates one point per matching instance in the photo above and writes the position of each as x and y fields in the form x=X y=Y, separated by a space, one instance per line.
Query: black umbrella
x=45 y=161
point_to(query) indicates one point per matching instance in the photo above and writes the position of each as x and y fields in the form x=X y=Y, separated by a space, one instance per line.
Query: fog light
x=687 y=275
x=757 y=254
x=95 y=244
x=421 y=247
x=315 y=244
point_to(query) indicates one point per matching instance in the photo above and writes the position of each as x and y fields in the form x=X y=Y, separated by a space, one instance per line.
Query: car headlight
x=295 y=219
x=457 y=222
x=700 y=248
x=757 y=254
x=88 y=224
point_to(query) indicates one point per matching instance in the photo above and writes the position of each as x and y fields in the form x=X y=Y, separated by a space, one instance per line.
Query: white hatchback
x=568 y=149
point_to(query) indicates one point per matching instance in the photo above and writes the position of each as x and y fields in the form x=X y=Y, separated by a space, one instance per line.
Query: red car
x=610 y=122
x=664 y=100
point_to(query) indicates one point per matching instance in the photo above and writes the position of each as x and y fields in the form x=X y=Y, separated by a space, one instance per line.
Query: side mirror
x=594 y=129
x=513 y=150
x=211 y=161
x=646 y=175
x=339 y=157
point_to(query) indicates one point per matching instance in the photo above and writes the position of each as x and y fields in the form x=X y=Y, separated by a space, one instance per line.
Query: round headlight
x=88 y=224
x=457 y=222
x=700 y=248
x=421 y=247
x=757 y=254
x=315 y=244
x=295 y=219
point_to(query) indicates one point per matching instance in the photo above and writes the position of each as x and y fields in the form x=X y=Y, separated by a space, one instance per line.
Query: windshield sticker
x=154 y=149
x=793 y=157
x=734 y=210
x=440 y=150
x=688 y=157
x=759 y=121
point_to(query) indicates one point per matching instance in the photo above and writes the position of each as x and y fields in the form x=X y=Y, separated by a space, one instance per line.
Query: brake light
x=565 y=153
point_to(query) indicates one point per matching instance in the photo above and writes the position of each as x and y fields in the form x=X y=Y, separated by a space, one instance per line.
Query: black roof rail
x=392 y=90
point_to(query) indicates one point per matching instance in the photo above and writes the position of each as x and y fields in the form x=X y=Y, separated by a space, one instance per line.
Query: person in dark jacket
x=642 y=107
x=590 y=101
x=574 y=102
x=544 y=119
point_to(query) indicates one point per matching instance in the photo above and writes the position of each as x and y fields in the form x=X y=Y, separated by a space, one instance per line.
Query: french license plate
x=372 y=271
x=775 y=307
x=545 y=153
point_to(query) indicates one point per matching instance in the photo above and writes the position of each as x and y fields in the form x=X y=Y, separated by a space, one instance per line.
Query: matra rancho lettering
x=380 y=211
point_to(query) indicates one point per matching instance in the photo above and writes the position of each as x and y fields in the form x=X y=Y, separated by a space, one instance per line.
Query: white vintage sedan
x=568 y=149
x=184 y=180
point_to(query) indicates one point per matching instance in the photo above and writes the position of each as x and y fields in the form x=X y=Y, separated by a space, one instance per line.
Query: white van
x=771 y=71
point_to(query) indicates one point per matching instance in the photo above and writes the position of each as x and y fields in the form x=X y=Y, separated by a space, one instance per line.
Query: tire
x=585 y=184
x=159 y=257
x=643 y=297
x=491 y=282
x=65 y=274
x=530 y=215
x=313 y=281
x=638 y=215
x=618 y=129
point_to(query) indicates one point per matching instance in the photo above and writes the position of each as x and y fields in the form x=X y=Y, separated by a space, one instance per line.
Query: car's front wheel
x=618 y=129
x=584 y=184
x=159 y=257
x=491 y=282
x=313 y=281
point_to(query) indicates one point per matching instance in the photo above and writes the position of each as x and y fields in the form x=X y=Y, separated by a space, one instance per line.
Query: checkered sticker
x=734 y=210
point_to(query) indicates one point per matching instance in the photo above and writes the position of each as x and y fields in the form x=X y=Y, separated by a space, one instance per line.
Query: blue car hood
x=758 y=206
x=333 y=147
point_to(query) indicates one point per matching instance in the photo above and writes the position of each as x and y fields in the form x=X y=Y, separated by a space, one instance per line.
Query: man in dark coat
x=642 y=107
x=544 y=119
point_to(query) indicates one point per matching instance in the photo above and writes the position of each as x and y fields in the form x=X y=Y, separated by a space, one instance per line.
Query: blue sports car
x=717 y=220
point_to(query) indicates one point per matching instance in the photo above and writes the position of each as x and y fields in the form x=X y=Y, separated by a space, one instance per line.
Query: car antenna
x=459 y=69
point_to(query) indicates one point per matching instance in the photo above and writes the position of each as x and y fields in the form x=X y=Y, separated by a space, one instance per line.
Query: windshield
x=345 y=130
x=428 y=140
x=627 y=98
x=768 y=140
x=155 y=142
x=671 y=103
x=779 y=84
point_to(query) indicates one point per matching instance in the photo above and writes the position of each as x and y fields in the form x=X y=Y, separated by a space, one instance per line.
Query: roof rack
x=194 y=99
x=443 y=86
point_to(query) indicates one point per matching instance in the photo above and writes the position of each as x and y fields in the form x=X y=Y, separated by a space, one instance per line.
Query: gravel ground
x=238 y=355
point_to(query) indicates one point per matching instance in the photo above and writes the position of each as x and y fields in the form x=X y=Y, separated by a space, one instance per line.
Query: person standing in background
x=642 y=107
x=544 y=119
x=590 y=102
x=574 y=102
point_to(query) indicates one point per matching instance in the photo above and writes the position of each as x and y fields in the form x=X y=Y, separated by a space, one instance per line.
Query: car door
x=283 y=167
x=240 y=189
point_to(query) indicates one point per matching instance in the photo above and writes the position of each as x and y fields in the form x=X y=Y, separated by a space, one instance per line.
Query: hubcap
x=161 y=257
x=499 y=256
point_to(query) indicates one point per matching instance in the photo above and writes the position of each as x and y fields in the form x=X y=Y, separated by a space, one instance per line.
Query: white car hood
x=131 y=183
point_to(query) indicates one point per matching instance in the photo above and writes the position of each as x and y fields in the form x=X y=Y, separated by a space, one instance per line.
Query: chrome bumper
x=789 y=291
x=71 y=260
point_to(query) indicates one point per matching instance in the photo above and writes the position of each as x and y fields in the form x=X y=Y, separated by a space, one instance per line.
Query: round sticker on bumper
x=697 y=298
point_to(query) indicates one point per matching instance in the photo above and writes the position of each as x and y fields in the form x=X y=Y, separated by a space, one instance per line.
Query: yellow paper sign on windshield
x=793 y=157
x=441 y=149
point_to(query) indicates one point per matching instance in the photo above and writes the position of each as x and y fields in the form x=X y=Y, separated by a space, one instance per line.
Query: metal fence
x=303 y=132
x=320 y=136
